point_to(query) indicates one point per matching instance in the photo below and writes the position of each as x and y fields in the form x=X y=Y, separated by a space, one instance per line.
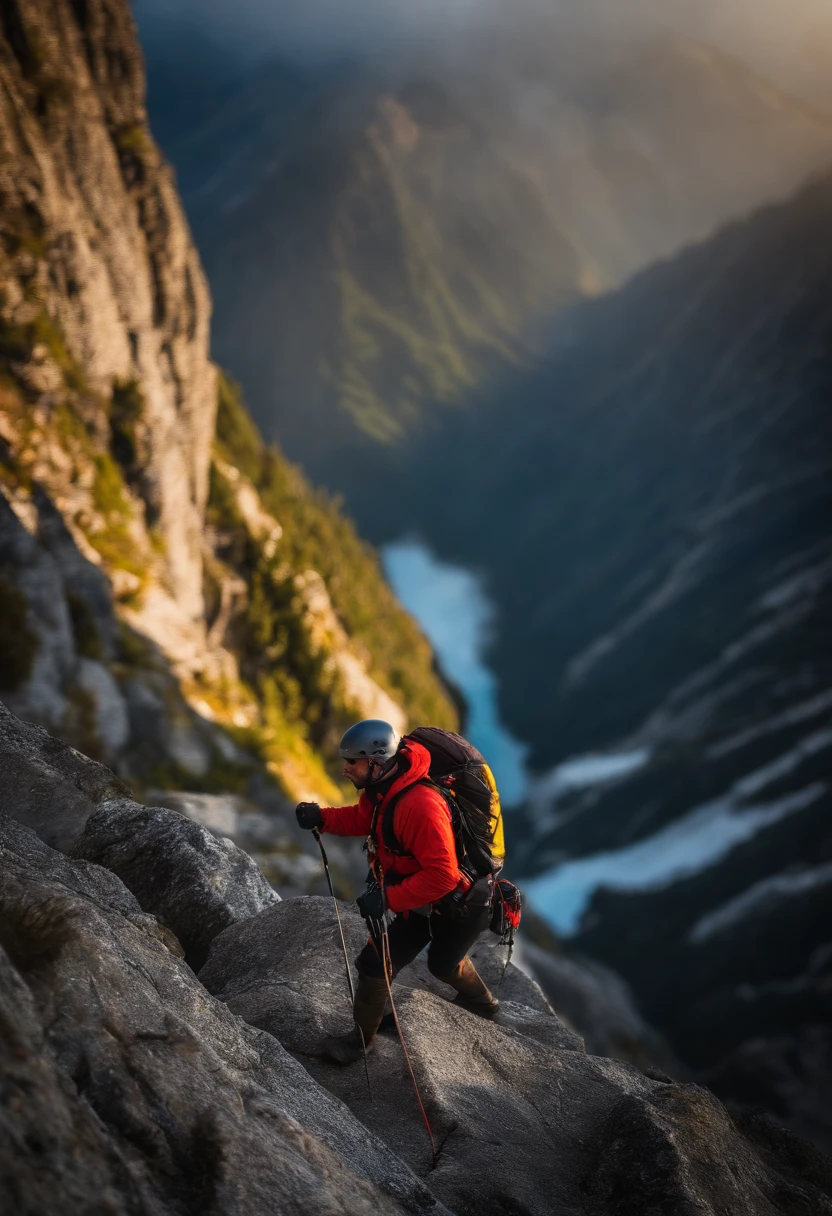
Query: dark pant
x=450 y=937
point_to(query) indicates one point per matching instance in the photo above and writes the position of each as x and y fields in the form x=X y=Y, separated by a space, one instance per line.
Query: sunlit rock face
x=97 y=241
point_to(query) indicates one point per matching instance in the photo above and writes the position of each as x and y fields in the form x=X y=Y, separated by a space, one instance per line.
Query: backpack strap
x=388 y=833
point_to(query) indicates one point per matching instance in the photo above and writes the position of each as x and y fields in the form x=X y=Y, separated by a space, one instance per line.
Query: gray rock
x=128 y=1089
x=219 y=813
x=54 y=1152
x=254 y=968
x=187 y=748
x=193 y=882
x=523 y=1005
x=112 y=722
x=266 y=837
x=36 y=574
x=20 y=846
x=525 y=1126
x=87 y=583
x=48 y=786
x=284 y=970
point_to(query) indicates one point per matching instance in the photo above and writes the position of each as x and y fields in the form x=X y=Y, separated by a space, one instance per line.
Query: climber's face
x=357 y=771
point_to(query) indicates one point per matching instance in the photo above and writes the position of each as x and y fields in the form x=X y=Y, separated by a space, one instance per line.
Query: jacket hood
x=413 y=764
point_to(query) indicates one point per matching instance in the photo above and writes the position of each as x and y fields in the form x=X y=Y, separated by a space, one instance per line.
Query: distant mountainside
x=380 y=238
x=174 y=597
x=660 y=551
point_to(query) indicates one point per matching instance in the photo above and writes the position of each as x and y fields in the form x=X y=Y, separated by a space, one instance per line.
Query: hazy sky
x=790 y=38
x=355 y=24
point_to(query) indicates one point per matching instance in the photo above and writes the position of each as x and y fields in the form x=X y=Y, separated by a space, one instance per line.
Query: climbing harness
x=317 y=836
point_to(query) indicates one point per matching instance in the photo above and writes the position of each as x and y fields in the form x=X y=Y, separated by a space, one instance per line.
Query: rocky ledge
x=134 y=1085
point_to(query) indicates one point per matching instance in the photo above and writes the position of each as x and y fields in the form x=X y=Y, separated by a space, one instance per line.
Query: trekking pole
x=317 y=836
x=379 y=931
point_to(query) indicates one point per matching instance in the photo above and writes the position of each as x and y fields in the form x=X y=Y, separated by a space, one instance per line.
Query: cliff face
x=95 y=240
x=165 y=586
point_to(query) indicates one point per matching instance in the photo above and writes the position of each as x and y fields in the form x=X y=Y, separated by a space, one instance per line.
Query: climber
x=421 y=891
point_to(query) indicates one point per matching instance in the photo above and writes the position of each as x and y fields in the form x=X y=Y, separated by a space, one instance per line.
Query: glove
x=309 y=815
x=372 y=905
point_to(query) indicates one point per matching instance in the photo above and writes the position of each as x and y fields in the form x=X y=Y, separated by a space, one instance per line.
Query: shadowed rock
x=526 y=1125
x=196 y=884
x=48 y=786
x=523 y=1004
x=284 y=971
x=128 y=1089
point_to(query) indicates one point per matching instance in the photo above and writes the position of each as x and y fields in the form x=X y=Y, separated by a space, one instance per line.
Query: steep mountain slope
x=380 y=238
x=141 y=1075
x=662 y=555
x=175 y=598
x=682 y=431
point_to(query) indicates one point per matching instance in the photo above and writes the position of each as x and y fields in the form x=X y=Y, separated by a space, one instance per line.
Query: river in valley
x=453 y=610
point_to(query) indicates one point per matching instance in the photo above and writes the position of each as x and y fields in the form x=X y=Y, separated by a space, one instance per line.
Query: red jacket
x=422 y=826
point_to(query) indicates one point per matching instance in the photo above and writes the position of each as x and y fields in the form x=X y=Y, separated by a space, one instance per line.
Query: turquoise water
x=457 y=618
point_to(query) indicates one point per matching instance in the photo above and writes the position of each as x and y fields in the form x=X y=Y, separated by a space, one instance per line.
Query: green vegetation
x=69 y=420
x=317 y=536
x=132 y=138
x=20 y=343
x=126 y=409
x=18 y=642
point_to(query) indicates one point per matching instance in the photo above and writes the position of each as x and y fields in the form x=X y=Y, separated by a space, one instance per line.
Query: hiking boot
x=368 y=1010
x=472 y=993
x=483 y=1009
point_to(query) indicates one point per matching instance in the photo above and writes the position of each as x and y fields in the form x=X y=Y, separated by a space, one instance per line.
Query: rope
x=387 y=967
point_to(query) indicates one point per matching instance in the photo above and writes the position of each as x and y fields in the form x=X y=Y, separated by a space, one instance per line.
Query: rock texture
x=103 y=248
x=132 y=1086
x=128 y=1089
x=525 y=1126
x=193 y=882
x=48 y=786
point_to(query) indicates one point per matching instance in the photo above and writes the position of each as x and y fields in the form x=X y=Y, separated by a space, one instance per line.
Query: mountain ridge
x=436 y=218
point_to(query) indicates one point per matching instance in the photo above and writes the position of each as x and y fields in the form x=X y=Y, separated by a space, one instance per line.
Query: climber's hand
x=372 y=905
x=309 y=815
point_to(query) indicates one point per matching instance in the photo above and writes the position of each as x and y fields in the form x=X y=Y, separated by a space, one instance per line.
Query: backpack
x=461 y=775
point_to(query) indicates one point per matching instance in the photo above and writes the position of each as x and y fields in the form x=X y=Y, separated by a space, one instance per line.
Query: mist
x=791 y=40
